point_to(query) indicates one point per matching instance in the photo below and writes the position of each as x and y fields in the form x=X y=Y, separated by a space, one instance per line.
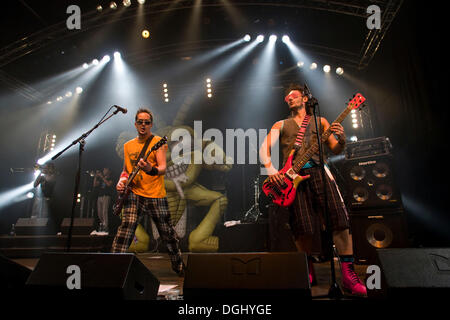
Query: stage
x=159 y=265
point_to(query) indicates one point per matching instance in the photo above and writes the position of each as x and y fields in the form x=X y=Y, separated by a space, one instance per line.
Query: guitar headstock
x=356 y=102
x=160 y=143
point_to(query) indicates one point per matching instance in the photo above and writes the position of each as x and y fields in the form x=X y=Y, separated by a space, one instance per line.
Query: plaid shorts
x=308 y=206
x=158 y=209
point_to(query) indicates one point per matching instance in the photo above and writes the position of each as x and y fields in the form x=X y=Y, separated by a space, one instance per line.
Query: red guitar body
x=284 y=195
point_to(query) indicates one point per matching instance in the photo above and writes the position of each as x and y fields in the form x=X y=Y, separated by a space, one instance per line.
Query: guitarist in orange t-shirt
x=148 y=195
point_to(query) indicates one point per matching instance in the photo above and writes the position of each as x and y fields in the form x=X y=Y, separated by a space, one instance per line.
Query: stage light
x=85 y=66
x=208 y=80
x=247 y=38
x=106 y=58
x=113 y=5
x=285 y=39
x=300 y=64
x=49 y=102
x=340 y=71
x=59 y=98
x=99 y=8
x=326 y=68
x=78 y=90
x=95 y=62
x=117 y=55
x=209 y=95
x=260 y=38
x=68 y=94
x=273 y=38
x=313 y=66
x=353 y=115
x=165 y=92
x=126 y=3
x=165 y=85
x=30 y=195
x=353 y=138
x=208 y=88
x=354 y=120
x=145 y=34
x=355 y=125
x=141 y=1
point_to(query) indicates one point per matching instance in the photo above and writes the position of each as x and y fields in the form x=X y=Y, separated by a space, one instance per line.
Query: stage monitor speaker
x=370 y=183
x=413 y=273
x=247 y=275
x=81 y=226
x=13 y=277
x=101 y=276
x=377 y=229
x=32 y=226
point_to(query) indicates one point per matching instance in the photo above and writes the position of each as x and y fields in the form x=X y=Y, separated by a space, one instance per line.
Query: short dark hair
x=144 y=110
x=294 y=86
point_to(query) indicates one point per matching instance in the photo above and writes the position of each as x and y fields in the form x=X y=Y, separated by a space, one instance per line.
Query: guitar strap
x=144 y=148
x=301 y=133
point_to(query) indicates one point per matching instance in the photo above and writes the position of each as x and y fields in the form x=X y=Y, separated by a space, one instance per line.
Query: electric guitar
x=117 y=208
x=284 y=195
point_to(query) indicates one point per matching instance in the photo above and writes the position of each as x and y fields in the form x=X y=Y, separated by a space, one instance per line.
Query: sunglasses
x=293 y=95
x=146 y=122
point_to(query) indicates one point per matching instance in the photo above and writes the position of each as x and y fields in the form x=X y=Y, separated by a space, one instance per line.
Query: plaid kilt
x=158 y=209
x=308 y=208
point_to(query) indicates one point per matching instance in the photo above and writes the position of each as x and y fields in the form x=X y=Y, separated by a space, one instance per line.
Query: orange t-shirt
x=143 y=184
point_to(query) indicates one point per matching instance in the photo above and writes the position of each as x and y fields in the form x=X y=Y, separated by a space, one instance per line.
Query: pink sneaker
x=351 y=281
x=312 y=273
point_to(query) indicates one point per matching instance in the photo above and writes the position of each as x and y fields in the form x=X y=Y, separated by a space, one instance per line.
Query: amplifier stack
x=373 y=199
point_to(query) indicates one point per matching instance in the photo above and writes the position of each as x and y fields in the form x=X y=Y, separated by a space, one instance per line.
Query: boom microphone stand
x=82 y=143
x=334 y=292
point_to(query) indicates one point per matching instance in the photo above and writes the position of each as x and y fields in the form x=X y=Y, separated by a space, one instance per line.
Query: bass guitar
x=284 y=194
x=117 y=208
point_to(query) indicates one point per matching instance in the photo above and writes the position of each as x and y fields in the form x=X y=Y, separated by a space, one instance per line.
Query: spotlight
x=68 y=94
x=355 y=125
x=59 y=98
x=49 y=102
x=260 y=38
x=113 y=5
x=247 y=38
x=106 y=58
x=145 y=34
x=166 y=100
x=354 y=120
x=285 y=39
x=208 y=80
x=95 y=62
x=126 y=3
x=30 y=195
x=99 y=8
x=117 y=55
x=313 y=66
x=326 y=68
x=273 y=38
x=209 y=95
x=300 y=64
x=353 y=138
x=141 y=1
x=78 y=90
x=85 y=66
x=340 y=71
x=165 y=85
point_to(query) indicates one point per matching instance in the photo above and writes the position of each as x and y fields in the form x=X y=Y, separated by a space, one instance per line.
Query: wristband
x=153 y=172
x=124 y=174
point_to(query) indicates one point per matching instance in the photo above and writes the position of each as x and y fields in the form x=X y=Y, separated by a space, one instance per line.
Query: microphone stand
x=334 y=291
x=82 y=143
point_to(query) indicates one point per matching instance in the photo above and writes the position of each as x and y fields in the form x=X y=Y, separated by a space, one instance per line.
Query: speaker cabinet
x=375 y=230
x=370 y=183
x=32 y=226
x=244 y=237
x=246 y=275
x=81 y=226
x=101 y=276
x=413 y=274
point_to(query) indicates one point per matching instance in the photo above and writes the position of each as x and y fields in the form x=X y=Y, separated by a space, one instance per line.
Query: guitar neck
x=297 y=166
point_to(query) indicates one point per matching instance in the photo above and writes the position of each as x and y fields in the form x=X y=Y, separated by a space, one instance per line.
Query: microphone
x=307 y=91
x=123 y=110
